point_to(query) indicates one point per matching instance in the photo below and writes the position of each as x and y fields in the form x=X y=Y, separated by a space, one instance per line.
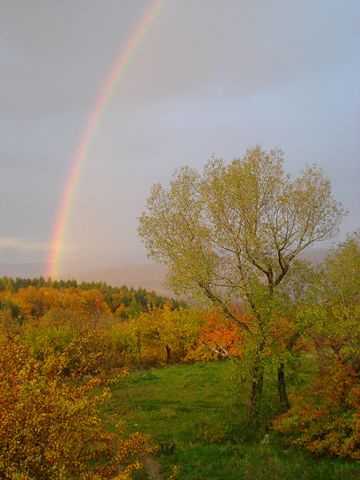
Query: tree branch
x=217 y=301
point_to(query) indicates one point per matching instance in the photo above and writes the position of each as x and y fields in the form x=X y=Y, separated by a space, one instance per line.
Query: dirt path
x=152 y=468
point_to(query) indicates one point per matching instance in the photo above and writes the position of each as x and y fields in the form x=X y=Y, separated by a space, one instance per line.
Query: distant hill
x=315 y=255
x=150 y=276
x=23 y=270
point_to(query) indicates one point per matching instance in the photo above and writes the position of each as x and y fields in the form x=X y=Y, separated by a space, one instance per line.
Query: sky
x=210 y=77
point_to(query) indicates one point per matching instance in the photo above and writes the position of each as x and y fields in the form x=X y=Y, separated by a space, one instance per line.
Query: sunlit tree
x=232 y=232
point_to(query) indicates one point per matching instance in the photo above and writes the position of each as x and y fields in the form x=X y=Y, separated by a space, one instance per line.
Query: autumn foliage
x=325 y=418
x=218 y=338
x=52 y=429
x=61 y=344
x=59 y=347
x=95 y=336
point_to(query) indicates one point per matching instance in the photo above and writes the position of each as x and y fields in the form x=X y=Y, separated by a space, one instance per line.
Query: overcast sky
x=210 y=77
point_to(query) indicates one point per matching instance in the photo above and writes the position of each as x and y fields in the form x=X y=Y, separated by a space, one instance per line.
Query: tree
x=338 y=312
x=233 y=231
x=162 y=335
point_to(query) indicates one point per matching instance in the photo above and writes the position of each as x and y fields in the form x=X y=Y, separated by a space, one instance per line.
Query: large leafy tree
x=233 y=231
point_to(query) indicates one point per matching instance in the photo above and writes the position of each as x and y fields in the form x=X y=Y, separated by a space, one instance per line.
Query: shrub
x=218 y=338
x=51 y=429
x=326 y=417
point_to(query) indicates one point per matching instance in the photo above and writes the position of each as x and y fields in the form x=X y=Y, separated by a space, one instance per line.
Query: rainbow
x=77 y=164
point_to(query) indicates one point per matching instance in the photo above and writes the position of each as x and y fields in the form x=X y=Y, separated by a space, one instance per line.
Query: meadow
x=194 y=414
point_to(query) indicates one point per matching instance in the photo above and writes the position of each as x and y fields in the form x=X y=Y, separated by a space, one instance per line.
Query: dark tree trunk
x=139 y=348
x=168 y=352
x=256 y=393
x=283 y=398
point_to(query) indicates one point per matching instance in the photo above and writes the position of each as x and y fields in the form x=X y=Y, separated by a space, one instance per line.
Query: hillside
x=148 y=276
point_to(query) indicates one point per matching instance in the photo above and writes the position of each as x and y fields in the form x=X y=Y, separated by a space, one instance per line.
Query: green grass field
x=194 y=414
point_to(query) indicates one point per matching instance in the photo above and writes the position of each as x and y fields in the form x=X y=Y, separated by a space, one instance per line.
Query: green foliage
x=339 y=293
x=325 y=416
x=223 y=231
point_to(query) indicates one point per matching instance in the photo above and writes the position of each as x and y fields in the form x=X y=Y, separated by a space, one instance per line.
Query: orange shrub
x=218 y=337
x=326 y=417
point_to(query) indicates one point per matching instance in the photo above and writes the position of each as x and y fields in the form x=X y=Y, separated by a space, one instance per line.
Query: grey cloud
x=21 y=244
x=241 y=46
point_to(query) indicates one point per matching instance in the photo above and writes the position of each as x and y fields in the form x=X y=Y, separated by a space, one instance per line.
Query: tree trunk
x=283 y=398
x=139 y=348
x=256 y=393
x=168 y=352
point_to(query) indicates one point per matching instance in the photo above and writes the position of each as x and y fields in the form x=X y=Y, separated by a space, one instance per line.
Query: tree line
x=123 y=301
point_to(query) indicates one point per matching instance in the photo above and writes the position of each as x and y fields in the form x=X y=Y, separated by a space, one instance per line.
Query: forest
x=256 y=374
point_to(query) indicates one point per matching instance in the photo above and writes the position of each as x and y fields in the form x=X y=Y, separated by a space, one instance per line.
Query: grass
x=194 y=414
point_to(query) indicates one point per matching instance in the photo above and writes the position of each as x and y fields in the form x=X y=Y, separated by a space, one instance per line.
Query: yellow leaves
x=34 y=302
x=120 y=311
x=164 y=335
x=9 y=327
x=51 y=429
